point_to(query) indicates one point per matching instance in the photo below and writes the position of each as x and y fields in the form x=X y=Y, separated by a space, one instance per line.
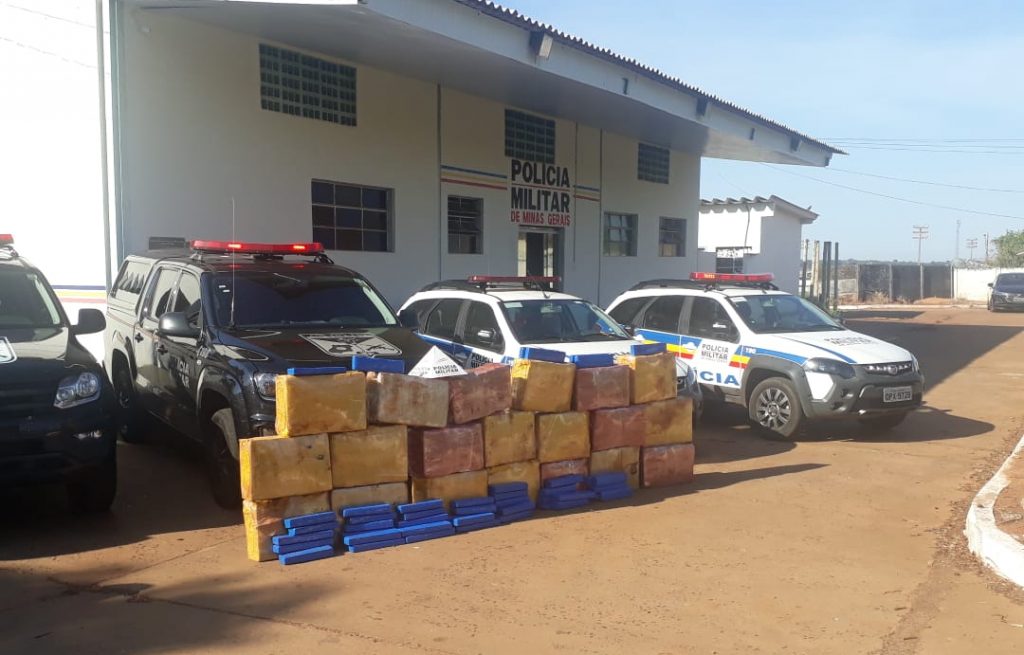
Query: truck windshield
x=560 y=321
x=26 y=301
x=270 y=299
x=766 y=313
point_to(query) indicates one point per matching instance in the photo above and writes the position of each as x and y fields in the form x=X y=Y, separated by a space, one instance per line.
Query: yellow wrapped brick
x=652 y=377
x=265 y=518
x=373 y=456
x=315 y=404
x=391 y=492
x=669 y=421
x=472 y=484
x=275 y=467
x=625 y=460
x=539 y=386
x=528 y=472
x=509 y=437
x=563 y=436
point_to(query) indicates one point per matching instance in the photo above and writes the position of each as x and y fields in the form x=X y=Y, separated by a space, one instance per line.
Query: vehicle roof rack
x=485 y=283
x=707 y=286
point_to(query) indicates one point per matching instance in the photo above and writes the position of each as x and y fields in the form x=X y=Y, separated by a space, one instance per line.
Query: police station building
x=417 y=140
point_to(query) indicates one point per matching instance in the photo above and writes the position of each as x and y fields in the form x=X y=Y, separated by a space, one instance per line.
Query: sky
x=931 y=91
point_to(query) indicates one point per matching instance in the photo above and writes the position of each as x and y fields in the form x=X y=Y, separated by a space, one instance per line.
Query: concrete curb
x=996 y=549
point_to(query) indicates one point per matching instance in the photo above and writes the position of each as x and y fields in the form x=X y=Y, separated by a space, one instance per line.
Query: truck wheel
x=131 y=420
x=775 y=410
x=223 y=467
x=883 y=422
x=94 y=491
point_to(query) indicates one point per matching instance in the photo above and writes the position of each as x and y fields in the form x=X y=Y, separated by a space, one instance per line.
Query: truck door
x=179 y=357
x=151 y=378
x=442 y=325
x=712 y=338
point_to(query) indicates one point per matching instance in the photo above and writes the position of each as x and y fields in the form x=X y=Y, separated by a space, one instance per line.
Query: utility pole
x=971 y=245
x=920 y=233
x=956 y=251
x=986 y=247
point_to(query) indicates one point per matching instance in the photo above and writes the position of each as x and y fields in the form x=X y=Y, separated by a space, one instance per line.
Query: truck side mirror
x=408 y=318
x=90 y=321
x=175 y=324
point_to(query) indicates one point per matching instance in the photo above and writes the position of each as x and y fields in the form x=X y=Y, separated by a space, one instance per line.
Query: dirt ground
x=843 y=542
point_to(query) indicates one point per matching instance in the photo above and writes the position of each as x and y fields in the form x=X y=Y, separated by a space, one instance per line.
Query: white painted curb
x=996 y=549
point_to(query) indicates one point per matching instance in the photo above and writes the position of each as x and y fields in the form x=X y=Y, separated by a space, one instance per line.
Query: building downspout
x=600 y=212
x=442 y=230
x=104 y=176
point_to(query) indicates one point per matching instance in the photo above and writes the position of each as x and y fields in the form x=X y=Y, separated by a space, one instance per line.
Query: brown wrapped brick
x=275 y=467
x=450 y=487
x=618 y=427
x=653 y=376
x=318 y=404
x=563 y=436
x=482 y=391
x=669 y=421
x=624 y=460
x=666 y=465
x=443 y=451
x=539 y=386
x=528 y=472
x=601 y=387
x=509 y=437
x=265 y=518
x=568 y=467
x=391 y=492
x=376 y=455
x=407 y=400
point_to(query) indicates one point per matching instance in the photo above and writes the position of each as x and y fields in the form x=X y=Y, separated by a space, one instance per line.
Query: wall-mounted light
x=540 y=43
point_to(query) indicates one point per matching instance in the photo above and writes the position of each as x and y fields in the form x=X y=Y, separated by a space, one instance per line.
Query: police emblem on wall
x=349 y=344
x=7 y=354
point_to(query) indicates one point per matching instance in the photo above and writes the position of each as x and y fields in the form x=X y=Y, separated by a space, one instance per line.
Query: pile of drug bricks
x=375 y=435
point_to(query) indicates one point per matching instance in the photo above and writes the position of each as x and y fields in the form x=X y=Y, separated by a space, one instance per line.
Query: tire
x=774 y=409
x=884 y=422
x=132 y=426
x=225 y=480
x=95 y=490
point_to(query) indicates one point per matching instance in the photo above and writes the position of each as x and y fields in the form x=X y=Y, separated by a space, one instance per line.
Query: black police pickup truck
x=196 y=338
x=56 y=406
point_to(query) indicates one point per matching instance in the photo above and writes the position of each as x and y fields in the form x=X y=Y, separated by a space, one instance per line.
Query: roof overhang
x=774 y=203
x=484 y=50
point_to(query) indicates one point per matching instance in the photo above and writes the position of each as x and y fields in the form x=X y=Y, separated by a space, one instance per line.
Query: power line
x=930 y=149
x=869 y=138
x=904 y=179
x=884 y=195
x=46 y=52
x=43 y=13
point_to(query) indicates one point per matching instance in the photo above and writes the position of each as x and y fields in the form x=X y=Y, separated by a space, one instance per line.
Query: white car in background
x=486 y=319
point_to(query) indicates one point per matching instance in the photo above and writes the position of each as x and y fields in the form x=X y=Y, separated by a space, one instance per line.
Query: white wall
x=734 y=227
x=972 y=284
x=50 y=170
x=195 y=136
x=779 y=252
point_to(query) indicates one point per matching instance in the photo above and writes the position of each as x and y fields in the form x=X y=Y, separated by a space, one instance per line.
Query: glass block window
x=620 y=235
x=672 y=237
x=529 y=137
x=301 y=85
x=652 y=163
x=350 y=217
x=465 y=225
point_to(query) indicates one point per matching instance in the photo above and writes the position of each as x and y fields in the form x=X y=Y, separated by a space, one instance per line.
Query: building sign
x=541 y=194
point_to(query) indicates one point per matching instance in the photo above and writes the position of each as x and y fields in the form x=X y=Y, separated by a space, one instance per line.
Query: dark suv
x=1007 y=292
x=56 y=406
x=196 y=339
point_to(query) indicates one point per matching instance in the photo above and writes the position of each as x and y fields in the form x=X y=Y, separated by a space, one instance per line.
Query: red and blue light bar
x=731 y=277
x=246 y=248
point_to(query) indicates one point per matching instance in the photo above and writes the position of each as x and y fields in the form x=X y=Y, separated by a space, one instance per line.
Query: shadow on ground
x=860 y=314
x=161 y=489
x=38 y=615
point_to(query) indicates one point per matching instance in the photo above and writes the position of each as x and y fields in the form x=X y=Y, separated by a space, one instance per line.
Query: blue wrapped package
x=323 y=370
x=542 y=354
x=370 y=537
x=287 y=540
x=371 y=526
x=646 y=348
x=507 y=487
x=362 y=548
x=320 y=552
x=367 y=510
x=421 y=506
x=598 y=360
x=310 y=519
x=363 y=363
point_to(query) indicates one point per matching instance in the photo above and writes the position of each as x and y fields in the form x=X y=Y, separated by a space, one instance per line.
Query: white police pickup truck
x=777 y=354
x=490 y=318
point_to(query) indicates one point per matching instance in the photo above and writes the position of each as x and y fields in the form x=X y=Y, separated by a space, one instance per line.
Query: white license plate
x=897 y=394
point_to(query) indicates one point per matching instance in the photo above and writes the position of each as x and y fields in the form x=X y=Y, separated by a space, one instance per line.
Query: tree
x=1009 y=248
